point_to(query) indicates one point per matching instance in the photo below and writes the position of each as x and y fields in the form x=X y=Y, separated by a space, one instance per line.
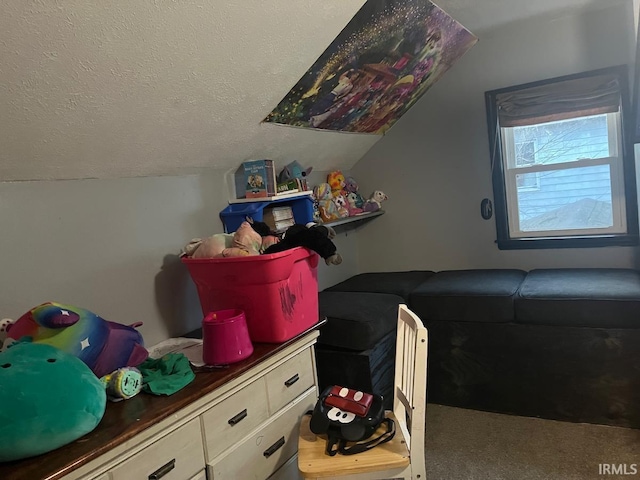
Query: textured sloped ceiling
x=129 y=88
x=132 y=88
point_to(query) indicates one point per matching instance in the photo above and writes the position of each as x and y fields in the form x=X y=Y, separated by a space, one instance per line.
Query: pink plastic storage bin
x=278 y=291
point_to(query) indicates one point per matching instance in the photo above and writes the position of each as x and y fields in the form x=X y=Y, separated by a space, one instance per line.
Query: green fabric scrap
x=166 y=375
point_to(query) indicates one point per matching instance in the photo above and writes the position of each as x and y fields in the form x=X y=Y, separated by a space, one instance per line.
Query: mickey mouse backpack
x=347 y=415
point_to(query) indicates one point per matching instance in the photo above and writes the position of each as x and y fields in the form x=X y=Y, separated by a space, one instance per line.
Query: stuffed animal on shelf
x=341 y=205
x=49 y=398
x=316 y=212
x=352 y=202
x=335 y=180
x=374 y=203
x=293 y=170
x=351 y=187
x=104 y=346
x=315 y=237
x=326 y=206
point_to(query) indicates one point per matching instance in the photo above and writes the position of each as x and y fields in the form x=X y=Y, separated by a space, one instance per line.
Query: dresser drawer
x=201 y=475
x=289 y=380
x=179 y=454
x=261 y=454
x=230 y=420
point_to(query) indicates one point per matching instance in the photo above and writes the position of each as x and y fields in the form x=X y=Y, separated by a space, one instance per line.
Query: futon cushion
x=357 y=320
x=584 y=297
x=468 y=295
x=396 y=283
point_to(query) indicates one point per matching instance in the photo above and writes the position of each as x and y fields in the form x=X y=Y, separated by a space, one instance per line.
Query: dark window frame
x=504 y=240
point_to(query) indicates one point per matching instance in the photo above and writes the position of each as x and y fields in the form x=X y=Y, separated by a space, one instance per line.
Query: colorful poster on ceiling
x=383 y=61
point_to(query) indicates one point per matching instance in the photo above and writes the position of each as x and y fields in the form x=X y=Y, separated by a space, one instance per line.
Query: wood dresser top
x=124 y=420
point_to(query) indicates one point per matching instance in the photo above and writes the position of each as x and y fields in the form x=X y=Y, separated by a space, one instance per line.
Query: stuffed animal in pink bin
x=374 y=203
x=104 y=346
x=245 y=241
x=210 y=247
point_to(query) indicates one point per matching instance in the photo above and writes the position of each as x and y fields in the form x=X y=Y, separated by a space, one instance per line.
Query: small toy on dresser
x=104 y=346
x=4 y=324
x=49 y=398
x=122 y=384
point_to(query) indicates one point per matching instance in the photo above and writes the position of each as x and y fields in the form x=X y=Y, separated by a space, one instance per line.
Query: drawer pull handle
x=237 y=418
x=163 y=470
x=273 y=448
x=292 y=380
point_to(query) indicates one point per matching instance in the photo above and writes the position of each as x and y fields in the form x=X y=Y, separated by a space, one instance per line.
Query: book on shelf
x=259 y=178
x=292 y=185
x=278 y=218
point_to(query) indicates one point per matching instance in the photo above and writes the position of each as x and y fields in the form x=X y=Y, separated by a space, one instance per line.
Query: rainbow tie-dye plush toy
x=104 y=346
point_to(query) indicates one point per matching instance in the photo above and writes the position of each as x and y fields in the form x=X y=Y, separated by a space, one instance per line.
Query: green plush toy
x=48 y=398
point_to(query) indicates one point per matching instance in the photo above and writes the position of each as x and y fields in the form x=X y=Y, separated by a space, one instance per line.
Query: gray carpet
x=466 y=444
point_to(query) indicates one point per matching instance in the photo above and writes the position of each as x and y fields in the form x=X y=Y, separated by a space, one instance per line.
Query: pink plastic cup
x=225 y=337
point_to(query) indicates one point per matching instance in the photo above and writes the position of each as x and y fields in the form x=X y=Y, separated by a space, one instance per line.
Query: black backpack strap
x=369 y=444
x=332 y=439
x=333 y=444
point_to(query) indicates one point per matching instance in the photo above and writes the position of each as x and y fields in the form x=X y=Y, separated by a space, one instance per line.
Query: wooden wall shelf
x=354 y=219
x=275 y=198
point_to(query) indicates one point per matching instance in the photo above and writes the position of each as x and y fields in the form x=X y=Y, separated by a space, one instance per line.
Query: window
x=563 y=175
x=525 y=154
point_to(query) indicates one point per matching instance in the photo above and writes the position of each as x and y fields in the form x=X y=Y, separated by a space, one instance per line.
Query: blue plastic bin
x=233 y=215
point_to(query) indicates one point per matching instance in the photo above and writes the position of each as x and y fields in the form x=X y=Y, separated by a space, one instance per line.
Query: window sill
x=569 y=242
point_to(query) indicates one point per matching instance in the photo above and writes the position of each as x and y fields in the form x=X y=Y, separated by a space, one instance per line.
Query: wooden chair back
x=410 y=385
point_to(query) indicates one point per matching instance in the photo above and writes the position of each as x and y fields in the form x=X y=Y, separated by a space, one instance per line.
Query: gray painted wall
x=112 y=246
x=434 y=163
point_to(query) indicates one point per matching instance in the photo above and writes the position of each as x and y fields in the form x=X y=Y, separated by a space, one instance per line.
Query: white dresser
x=238 y=424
